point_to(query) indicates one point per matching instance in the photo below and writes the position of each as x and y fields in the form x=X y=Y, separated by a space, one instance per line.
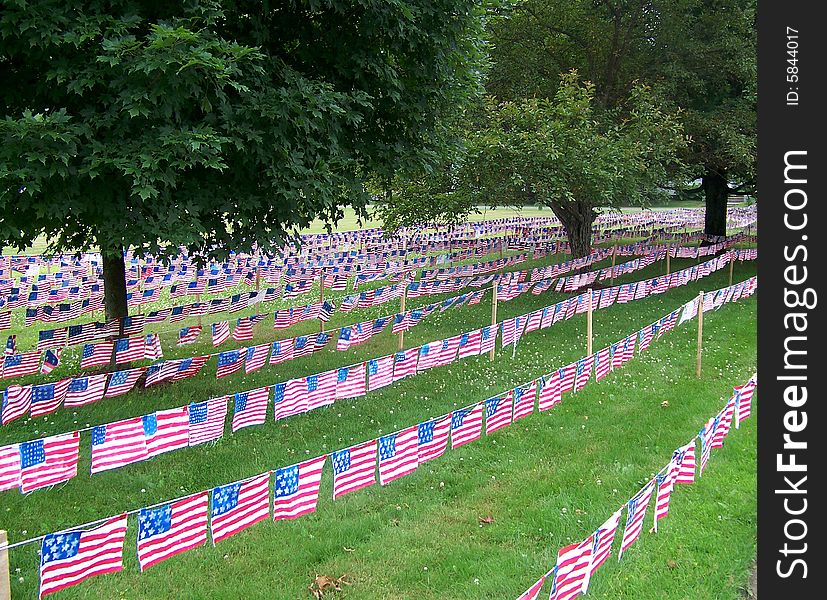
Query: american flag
x=466 y=425
x=117 y=444
x=52 y=338
x=11 y=345
x=19 y=365
x=207 y=420
x=684 y=457
x=534 y=591
x=354 y=468
x=297 y=489
x=321 y=340
x=256 y=357
x=190 y=367
x=602 y=363
x=243 y=331
x=549 y=391
x=326 y=311
x=171 y=529
x=635 y=513
x=583 y=372
x=665 y=481
x=129 y=349
x=533 y=321
x=96 y=354
x=400 y=323
x=724 y=424
x=166 y=430
x=121 y=382
x=743 y=399
x=572 y=569
x=281 y=350
x=250 y=408
x=161 y=371
x=433 y=438
x=321 y=389
x=398 y=454
x=448 y=351
x=567 y=375
x=290 y=398
x=524 y=400
x=488 y=337
x=645 y=336
x=625 y=293
x=428 y=355
x=152 y=347
x=302 y=346
x=5 y=320
x=47 y=397
x=9 y=467
x=509 y=332
x=405 y=363
x=220 y=332
x=380 y=372
x=344 y=339
x=469 y=344
x=51 y=360
x=48 y=461
x=188 y=335
x=498 y=412
x=706 y=434
x=690 y=310
x=68 y=558
x=282 y=318
x=350 y=382
x=229 y=362
x=603 y=538
x=237 y=506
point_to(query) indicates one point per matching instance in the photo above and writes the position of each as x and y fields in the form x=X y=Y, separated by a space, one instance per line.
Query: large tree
x=215 y=125
x=699 y=56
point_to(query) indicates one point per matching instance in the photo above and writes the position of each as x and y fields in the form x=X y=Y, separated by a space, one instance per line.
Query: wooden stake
x=700 y=333
x=5 y=581
x=731 y=265
x=493 y=315
x=402 y=310
x=589 y=329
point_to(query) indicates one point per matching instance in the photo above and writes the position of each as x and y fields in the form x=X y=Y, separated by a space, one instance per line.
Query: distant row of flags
x=577 y=562
x=31 y=465
x=69 y=557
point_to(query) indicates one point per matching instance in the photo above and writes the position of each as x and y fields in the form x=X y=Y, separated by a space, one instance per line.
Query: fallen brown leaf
x=486 y=520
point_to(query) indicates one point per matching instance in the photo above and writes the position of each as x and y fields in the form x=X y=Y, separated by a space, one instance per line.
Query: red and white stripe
x=743 y=394
x=9 y=467
x=603 y=544
x=549 y=391
x=602 y=363
x=294 y=400
x=220 y=332
x=18 y=401
x=686 y=467
x=256 y=357
x=243 y=331
x=255 y=410
x=95 y=386
x=353 y=384
x=498 y=412
x=380 y=372
x=429 y=450
x=188 y=529
x=666 y=484
x=212 y=428
x=573 y=563
x=471 y=427
x=471 y=346
x=524 y=400
x=404 y=364
x=124 y=443
x=636 y=513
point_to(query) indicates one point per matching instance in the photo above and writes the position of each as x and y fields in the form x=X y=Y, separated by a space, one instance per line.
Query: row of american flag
x=577 y=562
x=16 y=365
x=44 y=462
x=165 y=530
x=45 y=398
x=17 y=400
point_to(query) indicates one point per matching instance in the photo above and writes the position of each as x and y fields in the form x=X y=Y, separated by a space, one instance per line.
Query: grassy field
x=546 y=481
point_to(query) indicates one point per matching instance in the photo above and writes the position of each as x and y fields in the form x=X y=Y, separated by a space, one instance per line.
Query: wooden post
x=402 y=310
x=589 y=329
x=5 y=581
x=731 y=264
x=493 y=316
x=700 y=333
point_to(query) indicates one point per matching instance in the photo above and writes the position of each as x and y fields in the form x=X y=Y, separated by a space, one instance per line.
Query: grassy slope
x=420 y=536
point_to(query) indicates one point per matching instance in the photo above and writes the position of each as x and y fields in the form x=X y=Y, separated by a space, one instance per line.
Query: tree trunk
x=577 y=218
x=716 y=191
x=114 y=288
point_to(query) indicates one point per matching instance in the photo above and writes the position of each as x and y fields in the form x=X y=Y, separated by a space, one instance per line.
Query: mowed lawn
x=546 y=481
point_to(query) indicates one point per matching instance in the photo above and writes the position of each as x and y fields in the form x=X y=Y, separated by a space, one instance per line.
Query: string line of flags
x=37 y=400
x=577 y=562
x=40 y=463
x=71 y=556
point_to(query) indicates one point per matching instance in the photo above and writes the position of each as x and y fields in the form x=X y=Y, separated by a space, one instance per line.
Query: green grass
x=420 y=537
